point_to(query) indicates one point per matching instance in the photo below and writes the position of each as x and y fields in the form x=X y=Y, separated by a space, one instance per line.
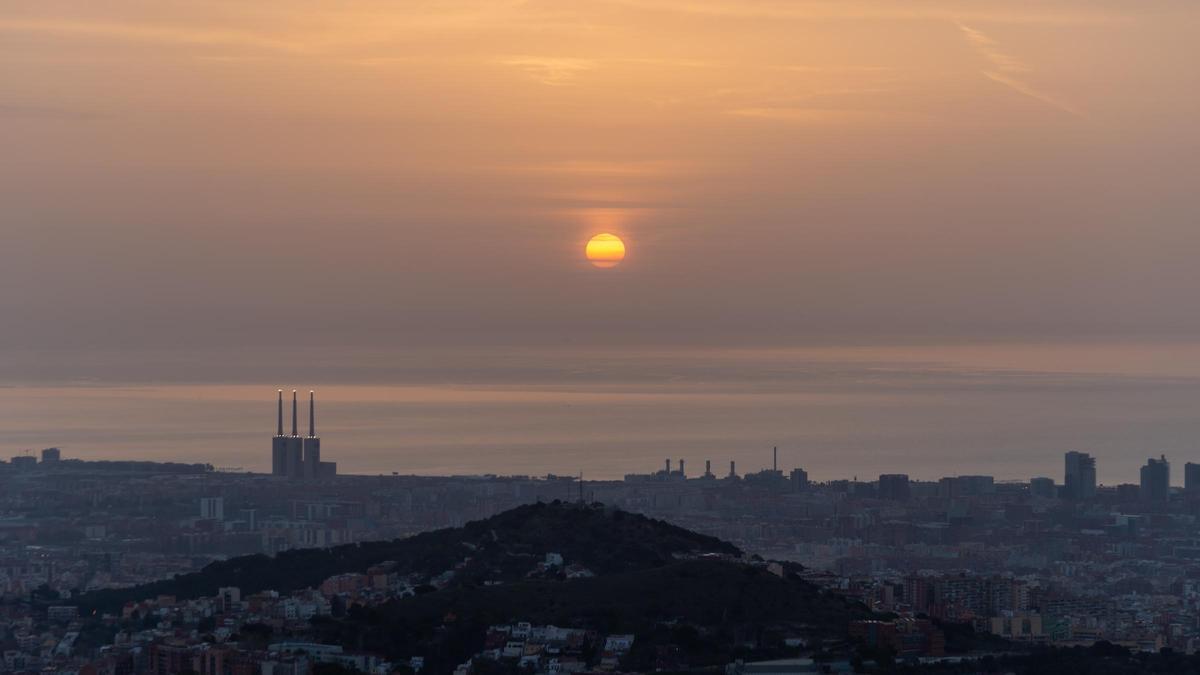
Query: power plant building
x=296 y=457
x=279 y=445
x=312 y=443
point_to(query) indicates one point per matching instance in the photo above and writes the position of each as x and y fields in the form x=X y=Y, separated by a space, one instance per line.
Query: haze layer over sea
x=1009 y=410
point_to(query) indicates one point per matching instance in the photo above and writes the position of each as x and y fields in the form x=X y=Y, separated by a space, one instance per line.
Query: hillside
x=715 y=610
x=690 y=600
x=501 y=548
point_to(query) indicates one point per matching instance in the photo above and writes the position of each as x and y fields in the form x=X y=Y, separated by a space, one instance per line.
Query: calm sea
x=1008 y=410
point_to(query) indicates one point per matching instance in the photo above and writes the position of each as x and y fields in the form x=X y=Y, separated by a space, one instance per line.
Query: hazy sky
x=393 y=173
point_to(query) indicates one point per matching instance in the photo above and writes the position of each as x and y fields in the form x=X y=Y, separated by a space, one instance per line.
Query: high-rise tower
x=1079 y=479
x=1156 y=480
x=1191 y=478
x=279 y=445
x=312 y=442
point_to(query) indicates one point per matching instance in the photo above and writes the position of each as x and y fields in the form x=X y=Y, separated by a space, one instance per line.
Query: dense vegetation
x=652 y=580
x=713 y=610
x=503 y=547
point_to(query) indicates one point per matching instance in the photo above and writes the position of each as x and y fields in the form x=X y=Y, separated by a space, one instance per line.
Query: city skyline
x=930 y=241
x=850 y=410
x=718 y=337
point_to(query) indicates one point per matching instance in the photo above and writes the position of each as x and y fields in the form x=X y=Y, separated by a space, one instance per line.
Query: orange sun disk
x=605 y=250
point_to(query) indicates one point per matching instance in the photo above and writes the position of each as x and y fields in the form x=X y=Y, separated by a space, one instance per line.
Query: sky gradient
x=783 y=173
x=923 y=236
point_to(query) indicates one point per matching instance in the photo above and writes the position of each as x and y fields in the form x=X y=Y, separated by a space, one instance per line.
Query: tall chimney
x=681 y=467
x=280 y=413
x=312 y=415
x=708 y=467
x=775 y=458
x=294 y=412
x=668 y=465
x=732 y=469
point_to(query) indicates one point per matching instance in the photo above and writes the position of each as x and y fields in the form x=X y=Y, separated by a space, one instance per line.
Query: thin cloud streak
x=326 y=32
x=553 y=71
x=1005 y=64
x=1024 y=88
x=644 y=168
x=564 y=70
x=149 y=33
x=843 y=10
x=803 y=115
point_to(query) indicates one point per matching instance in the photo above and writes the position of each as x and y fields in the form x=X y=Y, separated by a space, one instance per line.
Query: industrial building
x=296 y=457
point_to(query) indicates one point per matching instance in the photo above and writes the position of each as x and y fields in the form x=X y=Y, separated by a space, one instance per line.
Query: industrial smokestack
x=294 y=413
x=708 y=467
x=775 y=458
x=732 y=469
x=681 y=473
x=312 y=414
x=668 y=465
x=280 y=431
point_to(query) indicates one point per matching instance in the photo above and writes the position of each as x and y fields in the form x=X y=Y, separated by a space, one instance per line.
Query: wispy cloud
x=806 y=68
x=631 y=168
x=1024 y=88
x=911 y=10
x=280 y=27
x=814 y=116
x=1005 y=69
x=836 y=100
x=560 y=70
x=149 y=33
x=554 y=71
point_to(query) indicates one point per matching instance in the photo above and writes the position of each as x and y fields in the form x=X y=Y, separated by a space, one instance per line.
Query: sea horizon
x=1009 y=410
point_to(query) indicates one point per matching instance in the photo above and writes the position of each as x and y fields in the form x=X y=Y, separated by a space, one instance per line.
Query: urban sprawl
x=1043 y=561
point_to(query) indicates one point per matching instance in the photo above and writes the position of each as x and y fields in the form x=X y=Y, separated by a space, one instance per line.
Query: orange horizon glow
x=864 y=170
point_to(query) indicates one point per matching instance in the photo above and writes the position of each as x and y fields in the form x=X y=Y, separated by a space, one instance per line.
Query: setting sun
x=605 y=250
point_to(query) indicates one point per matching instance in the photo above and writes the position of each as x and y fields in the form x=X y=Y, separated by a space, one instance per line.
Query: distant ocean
x=1006 y=410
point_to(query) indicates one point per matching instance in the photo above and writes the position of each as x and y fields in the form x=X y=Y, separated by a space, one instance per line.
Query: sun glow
x=605 y=250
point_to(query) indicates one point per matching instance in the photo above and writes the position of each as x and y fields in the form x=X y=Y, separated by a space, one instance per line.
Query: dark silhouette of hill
x=501 y=548
x=692 y=601
x=681 y=593
x=713 y=609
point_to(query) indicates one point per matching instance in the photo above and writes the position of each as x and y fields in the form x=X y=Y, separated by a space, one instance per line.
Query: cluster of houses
x=551 y=650
x=208 y=635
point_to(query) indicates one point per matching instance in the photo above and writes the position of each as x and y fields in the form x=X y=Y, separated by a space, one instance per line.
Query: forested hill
x=500 y=548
